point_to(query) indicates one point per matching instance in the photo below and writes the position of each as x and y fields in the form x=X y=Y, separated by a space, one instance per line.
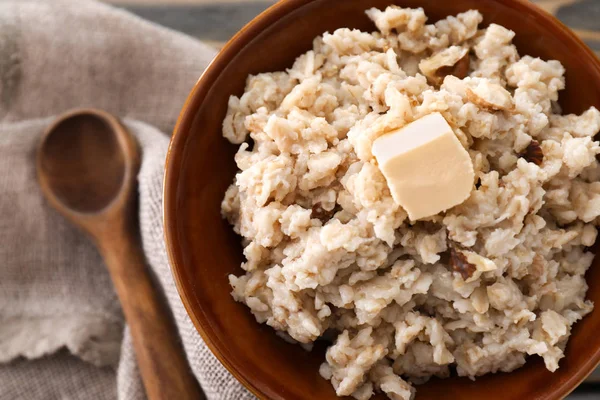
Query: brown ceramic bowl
x=203 y=248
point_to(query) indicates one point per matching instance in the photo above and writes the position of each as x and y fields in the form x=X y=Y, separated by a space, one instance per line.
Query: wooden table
x=215 y=21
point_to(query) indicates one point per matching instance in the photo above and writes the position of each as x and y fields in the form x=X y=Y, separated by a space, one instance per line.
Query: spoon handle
x=163 y=366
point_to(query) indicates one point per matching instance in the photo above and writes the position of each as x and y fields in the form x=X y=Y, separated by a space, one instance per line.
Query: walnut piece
x=533 y=153
x=459 y=70
x=491 y=97
x=451 y=61
x=459 y=263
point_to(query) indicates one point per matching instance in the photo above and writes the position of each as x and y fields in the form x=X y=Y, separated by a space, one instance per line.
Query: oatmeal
x=330 y=254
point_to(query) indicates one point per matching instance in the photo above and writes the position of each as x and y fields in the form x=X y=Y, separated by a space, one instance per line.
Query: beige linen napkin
x=62 y=333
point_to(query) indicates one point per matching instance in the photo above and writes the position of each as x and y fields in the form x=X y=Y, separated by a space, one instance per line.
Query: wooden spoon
x=87 y=165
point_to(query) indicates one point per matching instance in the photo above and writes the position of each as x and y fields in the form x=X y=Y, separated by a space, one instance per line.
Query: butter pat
x=426 y=168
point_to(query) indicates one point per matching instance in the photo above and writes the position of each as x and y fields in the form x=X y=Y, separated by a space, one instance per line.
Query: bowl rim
x=187 y=115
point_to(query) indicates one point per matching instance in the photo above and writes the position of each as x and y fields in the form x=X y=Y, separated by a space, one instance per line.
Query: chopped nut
x=459 y=263
x=533 y=153
x=452 y=61
x=501 y=102
x=459 y=70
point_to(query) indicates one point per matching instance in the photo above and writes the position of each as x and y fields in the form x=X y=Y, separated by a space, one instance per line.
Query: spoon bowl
x=87 y=165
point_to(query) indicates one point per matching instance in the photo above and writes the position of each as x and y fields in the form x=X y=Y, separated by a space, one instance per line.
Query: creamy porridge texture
x=331 y=255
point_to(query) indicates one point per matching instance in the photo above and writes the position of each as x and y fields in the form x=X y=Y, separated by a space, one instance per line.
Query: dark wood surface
x=215 y=21
x=87 y=166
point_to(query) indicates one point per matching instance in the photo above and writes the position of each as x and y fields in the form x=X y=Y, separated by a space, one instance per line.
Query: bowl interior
x=204 y=250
